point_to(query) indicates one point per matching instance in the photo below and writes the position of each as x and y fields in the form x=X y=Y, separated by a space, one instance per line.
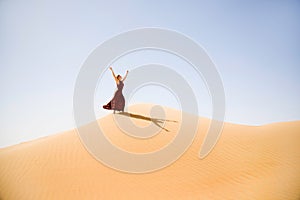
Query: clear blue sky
x=255 y=46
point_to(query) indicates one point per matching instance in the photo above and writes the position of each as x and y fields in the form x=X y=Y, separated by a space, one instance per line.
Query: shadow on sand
x=156 y=121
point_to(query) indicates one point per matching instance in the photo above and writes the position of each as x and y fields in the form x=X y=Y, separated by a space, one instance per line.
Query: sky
x=255 y=46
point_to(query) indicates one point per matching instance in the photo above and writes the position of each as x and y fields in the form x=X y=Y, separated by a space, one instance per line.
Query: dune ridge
x=248 y=162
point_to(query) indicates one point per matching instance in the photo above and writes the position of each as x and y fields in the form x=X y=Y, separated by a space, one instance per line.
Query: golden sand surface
x=248 y=162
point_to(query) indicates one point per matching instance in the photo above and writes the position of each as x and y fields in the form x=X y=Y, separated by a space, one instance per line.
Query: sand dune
x=248 y=162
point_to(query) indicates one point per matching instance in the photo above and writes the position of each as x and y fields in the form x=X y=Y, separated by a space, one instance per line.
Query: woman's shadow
x=158 y=122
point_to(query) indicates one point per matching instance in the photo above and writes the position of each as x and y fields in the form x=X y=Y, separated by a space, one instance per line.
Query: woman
x=118 y=101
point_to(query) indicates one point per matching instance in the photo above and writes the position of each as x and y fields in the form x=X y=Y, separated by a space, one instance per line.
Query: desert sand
x=248 y=162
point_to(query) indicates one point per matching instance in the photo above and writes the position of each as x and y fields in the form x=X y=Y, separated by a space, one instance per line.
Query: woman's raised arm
x=125 y=75
x=112 y=71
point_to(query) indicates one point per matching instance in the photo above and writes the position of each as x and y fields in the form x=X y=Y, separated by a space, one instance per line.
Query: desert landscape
x=248 y=162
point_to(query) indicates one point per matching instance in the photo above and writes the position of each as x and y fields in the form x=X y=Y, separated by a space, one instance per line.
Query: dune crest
x=248 y=162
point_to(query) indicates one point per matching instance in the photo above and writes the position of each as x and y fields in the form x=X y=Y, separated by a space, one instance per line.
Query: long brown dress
x=118 y=101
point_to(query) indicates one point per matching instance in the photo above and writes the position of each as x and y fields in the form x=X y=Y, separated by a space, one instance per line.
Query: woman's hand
x=110 y=68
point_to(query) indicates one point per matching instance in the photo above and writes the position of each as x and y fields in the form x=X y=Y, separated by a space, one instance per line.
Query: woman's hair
x=118 y=76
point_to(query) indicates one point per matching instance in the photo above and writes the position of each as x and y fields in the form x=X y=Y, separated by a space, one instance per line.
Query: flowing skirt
x=117 y=102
